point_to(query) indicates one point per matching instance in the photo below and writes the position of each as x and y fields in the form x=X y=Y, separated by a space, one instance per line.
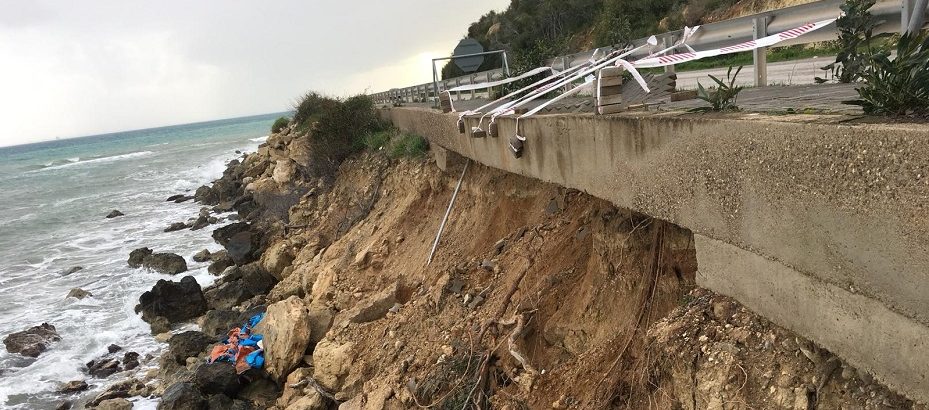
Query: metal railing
x=892 y=16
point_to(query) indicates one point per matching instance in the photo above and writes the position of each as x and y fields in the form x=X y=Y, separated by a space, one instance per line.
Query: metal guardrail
x=892 y=16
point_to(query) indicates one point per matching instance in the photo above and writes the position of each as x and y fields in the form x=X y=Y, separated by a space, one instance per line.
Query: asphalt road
x=796 y=72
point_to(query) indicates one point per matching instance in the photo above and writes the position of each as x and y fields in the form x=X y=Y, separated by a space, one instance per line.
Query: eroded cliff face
x=537 y=297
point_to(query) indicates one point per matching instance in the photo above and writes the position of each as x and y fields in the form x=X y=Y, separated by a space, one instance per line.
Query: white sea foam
x=259 y=139
x=98 y=160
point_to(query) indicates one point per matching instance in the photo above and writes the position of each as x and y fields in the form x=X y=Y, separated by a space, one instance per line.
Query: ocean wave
x=77 y=161
x=259 y=139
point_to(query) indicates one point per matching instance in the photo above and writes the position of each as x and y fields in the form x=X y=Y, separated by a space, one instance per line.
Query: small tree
x=856 y=33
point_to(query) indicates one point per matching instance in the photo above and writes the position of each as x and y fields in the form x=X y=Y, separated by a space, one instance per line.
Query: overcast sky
x=73 y=68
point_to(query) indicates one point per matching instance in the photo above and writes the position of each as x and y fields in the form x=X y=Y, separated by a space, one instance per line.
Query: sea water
x=54 y=197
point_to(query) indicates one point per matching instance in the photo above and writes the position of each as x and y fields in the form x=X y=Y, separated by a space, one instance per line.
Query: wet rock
x=332 y=362
x=115 y=404
x=202 y=256
x=33 y=341
x=79 y=293
x=177 y=226
x=121 y=390
x=114 y=214
x=113 y=348
x=217 y=378
x=167 y=263
x=238 y=285
x=103 y=368
x=74 y=386
x=188 y=344
x=137 y=256
x=239 y=241
x=220 y=261
x=201 y=222
x=159 y=325
x=206 y=196
x=218 y=322
x=173 y=198
x=182 y=396
x=130 y=360
x=65 y=405
x=286 y=331
x=175 y=301
x=71 y=270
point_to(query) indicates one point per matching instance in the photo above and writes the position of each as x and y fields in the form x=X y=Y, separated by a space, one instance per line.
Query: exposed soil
x=537 y=297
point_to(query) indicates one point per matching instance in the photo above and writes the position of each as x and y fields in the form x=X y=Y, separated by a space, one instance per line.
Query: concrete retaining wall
x=841 y=207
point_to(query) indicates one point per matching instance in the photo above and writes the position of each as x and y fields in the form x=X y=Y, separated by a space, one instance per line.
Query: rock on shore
x=174 y=301
x=167 y=263
x=33 y=341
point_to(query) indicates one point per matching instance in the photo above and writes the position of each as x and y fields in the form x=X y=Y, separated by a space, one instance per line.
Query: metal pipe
x=448 y=211
x=917 y=17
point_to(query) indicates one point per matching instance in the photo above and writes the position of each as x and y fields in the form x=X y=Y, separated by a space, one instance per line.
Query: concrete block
x=860 y=330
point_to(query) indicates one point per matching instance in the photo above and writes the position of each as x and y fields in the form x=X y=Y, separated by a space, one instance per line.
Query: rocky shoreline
x=563 y=301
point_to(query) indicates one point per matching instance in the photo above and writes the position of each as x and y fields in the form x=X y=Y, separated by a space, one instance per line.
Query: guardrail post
x=471 y=80
x=760 y=55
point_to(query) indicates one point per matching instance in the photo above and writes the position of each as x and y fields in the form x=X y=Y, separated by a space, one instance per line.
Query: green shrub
x=376 y=140
x=337 y=128
x=856 y=27
x=726 y=93
x=280 y=124
x=900 y=86
x=408 y=146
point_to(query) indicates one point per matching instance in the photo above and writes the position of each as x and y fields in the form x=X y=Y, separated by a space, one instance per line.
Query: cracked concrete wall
x=840 y=203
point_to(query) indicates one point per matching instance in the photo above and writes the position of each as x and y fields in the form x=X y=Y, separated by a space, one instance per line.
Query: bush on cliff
x=336 y=127
x=396 y=144
x=280 y=124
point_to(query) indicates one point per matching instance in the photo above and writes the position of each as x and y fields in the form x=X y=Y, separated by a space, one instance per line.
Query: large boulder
x=217 y=378
x=114 y=404
x=332 y=363
x=188 y=344
x=239 y=285
x=175 y=301
x=372 y=308
x=33 y=341
x=219 y=262
x=182 y=396
x=284 y=172
x=177 y=226
x=286 y=331
x=203 y=256
x=240 y=242
x=167 y=263
x=206 y=196
x=137 y=256
x=276 y=258
x=218 y=322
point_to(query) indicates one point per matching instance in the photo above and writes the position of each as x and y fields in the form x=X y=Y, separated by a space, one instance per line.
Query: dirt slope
x=538 y=297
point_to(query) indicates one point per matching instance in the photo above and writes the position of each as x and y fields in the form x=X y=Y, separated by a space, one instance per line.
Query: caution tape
x=666 y=60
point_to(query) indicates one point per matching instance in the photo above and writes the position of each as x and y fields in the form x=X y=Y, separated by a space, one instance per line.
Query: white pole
x=447 y=212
